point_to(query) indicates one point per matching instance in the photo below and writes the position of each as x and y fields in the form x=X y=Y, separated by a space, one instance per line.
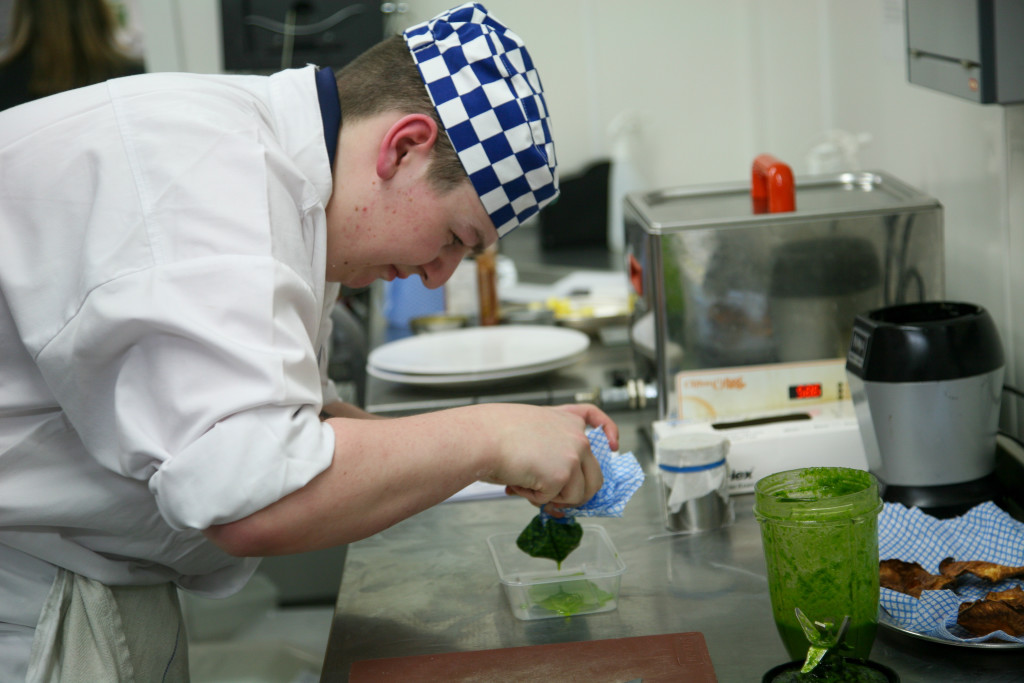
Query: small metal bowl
x=437 y=323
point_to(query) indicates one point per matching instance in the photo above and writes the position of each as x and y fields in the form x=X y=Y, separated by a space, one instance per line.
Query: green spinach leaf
x=554 y=539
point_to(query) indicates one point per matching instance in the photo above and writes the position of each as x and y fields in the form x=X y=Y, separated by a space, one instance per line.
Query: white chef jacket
x=163 y=316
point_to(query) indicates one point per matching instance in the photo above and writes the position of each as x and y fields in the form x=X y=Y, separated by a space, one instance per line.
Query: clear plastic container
x=587 y=583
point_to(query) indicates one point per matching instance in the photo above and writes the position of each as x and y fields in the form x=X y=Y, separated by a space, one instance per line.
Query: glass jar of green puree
x=819 y=528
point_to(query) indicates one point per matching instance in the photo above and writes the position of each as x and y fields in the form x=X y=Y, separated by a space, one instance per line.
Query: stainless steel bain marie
x=722 y=286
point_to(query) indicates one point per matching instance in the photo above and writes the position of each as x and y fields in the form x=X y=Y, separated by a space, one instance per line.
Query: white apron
x=122 y=634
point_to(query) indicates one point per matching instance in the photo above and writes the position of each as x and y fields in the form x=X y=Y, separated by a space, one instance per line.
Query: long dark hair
x=71 y=43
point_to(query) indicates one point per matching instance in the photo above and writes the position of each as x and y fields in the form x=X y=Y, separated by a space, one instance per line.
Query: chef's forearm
x=382 y=472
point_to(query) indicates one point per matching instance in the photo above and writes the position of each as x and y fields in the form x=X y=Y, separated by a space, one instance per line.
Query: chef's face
x=408 y=229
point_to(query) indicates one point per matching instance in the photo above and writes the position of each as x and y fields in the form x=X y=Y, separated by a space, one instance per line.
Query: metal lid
x=817 y=197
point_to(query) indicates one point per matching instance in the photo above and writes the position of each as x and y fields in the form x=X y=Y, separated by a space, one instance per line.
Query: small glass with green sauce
x=819 y=527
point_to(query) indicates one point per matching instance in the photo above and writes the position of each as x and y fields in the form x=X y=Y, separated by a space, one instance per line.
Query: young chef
x=168 y=240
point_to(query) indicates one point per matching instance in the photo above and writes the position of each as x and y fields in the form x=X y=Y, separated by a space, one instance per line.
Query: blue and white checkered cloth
x=622 y=477
x=489 y=97
x=985 y=533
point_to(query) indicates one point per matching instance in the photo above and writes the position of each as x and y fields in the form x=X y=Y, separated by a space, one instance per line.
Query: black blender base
x=945 y=501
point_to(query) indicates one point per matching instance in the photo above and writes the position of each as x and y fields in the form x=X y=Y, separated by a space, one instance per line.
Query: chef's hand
x=545 y=456
x=595 y=417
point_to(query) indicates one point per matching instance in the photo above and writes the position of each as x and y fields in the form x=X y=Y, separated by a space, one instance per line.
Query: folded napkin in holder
x=694 y=481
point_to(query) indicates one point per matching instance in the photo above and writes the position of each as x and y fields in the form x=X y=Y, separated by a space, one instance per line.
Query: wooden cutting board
x=671 y=657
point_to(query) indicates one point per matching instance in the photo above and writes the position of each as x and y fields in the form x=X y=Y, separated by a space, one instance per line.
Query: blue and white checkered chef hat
x=489 y=98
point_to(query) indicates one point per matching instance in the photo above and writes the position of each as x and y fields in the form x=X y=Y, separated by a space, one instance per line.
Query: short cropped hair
x=385 y=78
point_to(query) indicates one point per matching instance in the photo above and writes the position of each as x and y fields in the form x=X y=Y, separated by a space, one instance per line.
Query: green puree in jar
x=820 y=483
x=845 y=673
x=819 y=527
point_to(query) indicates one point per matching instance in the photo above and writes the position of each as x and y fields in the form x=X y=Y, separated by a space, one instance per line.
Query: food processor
x=926 y=381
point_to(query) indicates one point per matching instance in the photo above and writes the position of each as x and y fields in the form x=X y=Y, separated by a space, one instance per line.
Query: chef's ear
x=411 y=136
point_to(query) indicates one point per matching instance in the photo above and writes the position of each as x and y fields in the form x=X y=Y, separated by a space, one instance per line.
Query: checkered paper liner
x=489 y=97
x=985 y=533
x=622 y=477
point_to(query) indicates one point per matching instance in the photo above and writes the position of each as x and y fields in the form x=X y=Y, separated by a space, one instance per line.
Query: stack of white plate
x=477 y=355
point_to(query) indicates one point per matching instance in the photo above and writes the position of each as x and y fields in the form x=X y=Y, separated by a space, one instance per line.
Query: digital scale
x=776 y=417
x=723 y=392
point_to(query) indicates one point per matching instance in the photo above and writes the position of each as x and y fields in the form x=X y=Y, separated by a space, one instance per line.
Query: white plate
x=472 y=379
x=480 y=350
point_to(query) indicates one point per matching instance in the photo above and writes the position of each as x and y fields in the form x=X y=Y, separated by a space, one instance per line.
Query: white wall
x=969 y=156
x=693 y=74
x=712 y=83
x=181 y=35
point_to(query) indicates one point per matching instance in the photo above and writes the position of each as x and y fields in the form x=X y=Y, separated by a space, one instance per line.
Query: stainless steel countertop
x=428 y=585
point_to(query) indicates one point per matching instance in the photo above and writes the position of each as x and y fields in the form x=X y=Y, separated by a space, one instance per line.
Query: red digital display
x=805 y=391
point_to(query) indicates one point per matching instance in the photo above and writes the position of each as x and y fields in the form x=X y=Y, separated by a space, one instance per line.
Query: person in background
x=172 y=248
x=57 y=45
